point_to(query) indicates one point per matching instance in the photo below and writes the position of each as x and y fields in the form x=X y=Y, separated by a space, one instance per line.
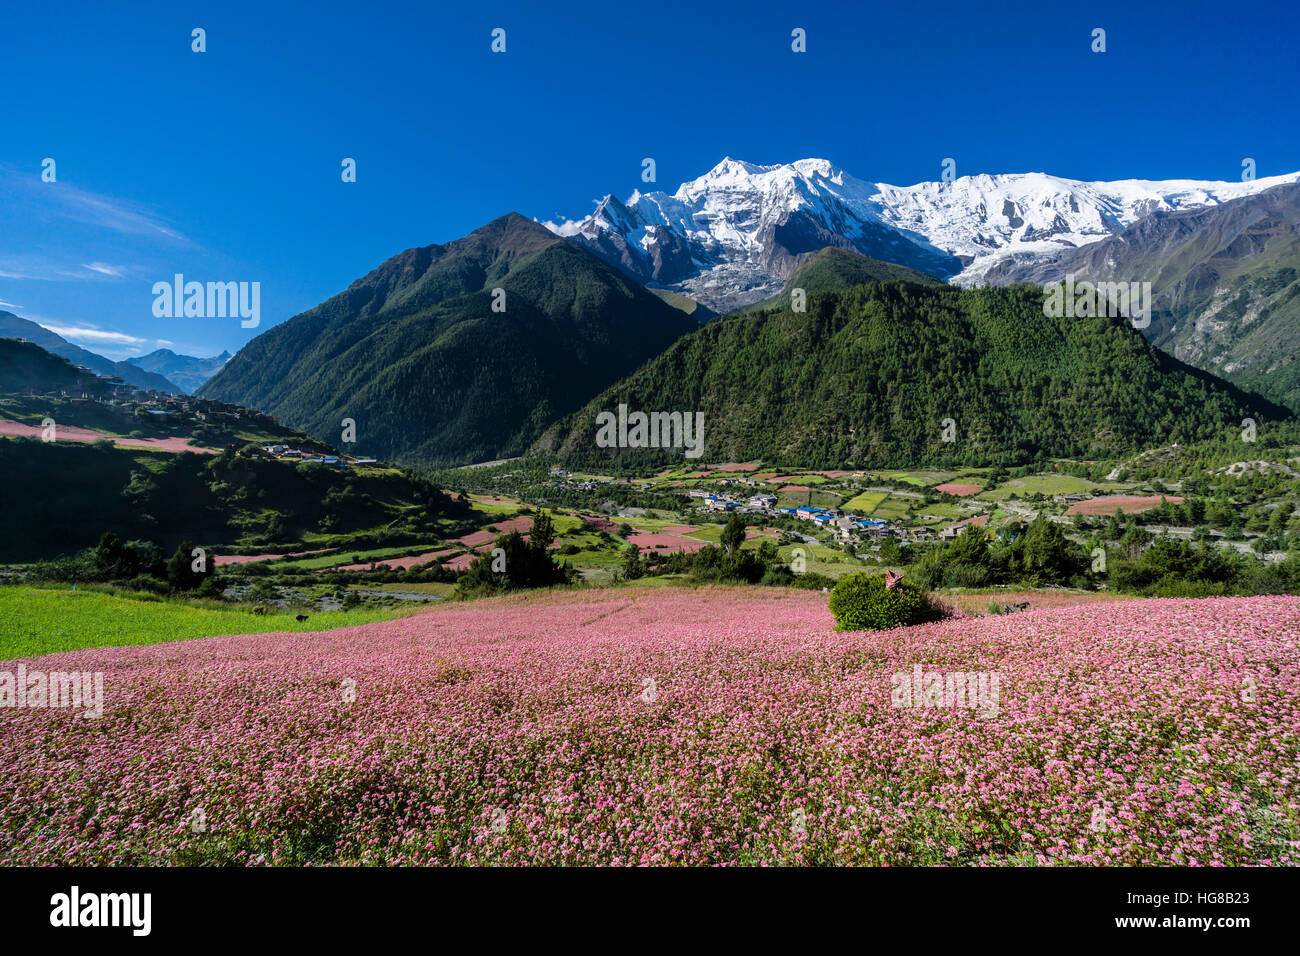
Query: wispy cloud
x=65 y=201
x=103 y=268
x=47 y=269
x=40 y=270
x=58 y=232
x=106 y=342
x=89 y=335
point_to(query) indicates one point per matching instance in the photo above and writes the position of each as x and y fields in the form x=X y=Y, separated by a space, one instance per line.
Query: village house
x=978 y=521
x=845 y=527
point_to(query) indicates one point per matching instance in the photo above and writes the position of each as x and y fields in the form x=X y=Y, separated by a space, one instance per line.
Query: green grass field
x=820 y=499
x=922 y=479
x=896 y=509
x=564 y=522
x=652 y=523
x=439 y=588
x=942 y=509
x=319 y=561
x=822 y=560
x=866 y=502
x=795 y=478
x=1040 y=484
x=493 y=509
x=35 y=621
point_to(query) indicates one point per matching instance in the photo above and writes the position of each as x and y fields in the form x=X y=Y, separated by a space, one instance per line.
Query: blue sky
x=225 y=165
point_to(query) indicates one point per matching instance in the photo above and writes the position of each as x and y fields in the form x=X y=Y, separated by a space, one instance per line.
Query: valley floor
x=678 y=726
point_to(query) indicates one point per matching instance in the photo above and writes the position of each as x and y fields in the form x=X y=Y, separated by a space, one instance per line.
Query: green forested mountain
x=867 y=376
x=696 y=310
x=825 y=270
x=1225 y=285
x=415 y=354
x=213 y=500
x=26 y=365
x=832 y=269
x=14 y=327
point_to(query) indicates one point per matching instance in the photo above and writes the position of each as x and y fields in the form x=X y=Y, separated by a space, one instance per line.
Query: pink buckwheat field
x=677 y=726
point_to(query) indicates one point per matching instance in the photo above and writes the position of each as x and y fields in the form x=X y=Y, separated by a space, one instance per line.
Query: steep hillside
x=1225 y=285
x=867 y=376
x=415 y=354
x=213 y=500
x=15 y=327
x=25 y=365
x=833 y=269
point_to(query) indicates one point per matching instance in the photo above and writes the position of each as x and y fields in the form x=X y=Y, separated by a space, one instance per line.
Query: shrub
x=812 y=581
x=528 y=564
x=211 y=589
x=1172 y=586
x=144 y=582
x=861 y=602
x=966 y=576
x=180 y=569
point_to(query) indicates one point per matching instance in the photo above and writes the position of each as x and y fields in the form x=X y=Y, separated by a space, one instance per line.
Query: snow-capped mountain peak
x=731 y=236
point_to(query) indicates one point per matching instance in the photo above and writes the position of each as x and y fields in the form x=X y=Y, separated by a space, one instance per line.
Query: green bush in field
x=861 y=602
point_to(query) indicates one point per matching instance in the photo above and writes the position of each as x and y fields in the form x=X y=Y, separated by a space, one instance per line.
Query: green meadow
x=866 y=502
x=1043 y=485
x=821 y=559
x=320 y=561
x=815 y=499
x=922 y=479
x=46 y=620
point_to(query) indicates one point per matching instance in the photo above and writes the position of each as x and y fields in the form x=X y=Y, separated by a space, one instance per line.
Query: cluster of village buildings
x=562 y=479
x=127 y=401
x=285 y=453
x=842 y=525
